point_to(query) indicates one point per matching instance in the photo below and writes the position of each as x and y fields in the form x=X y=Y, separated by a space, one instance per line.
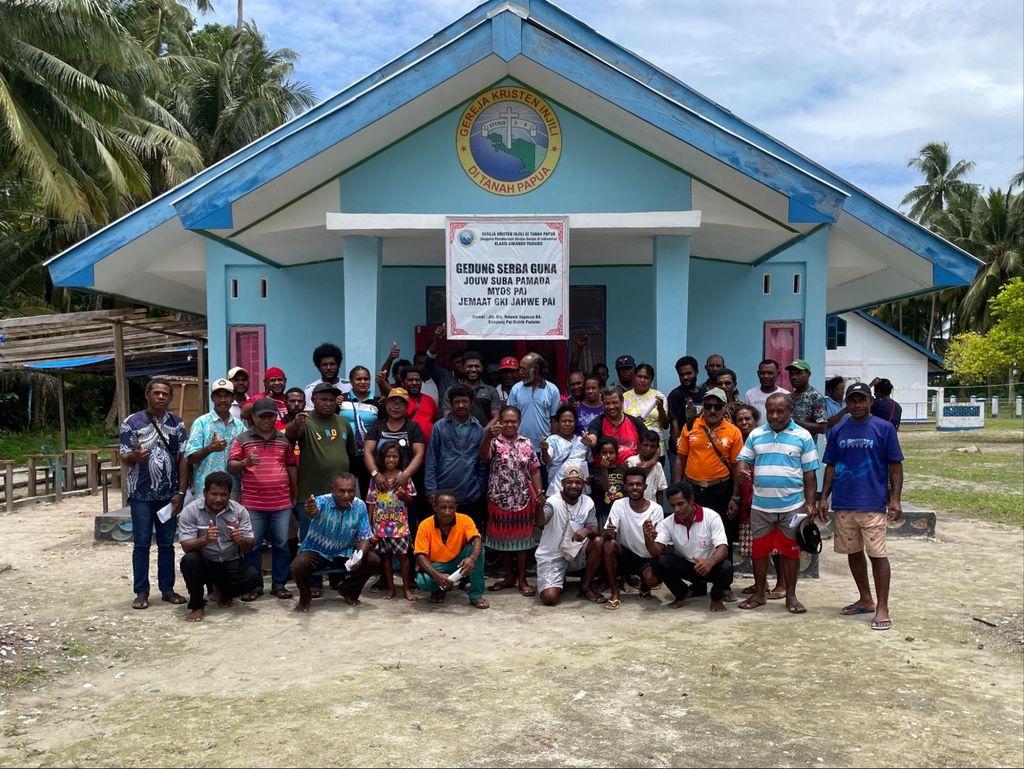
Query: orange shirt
x=428 y=538
x=702 y=464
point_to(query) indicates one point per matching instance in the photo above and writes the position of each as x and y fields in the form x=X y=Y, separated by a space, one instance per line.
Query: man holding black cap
x=809 y=408
x=861 y=459
x=625 y=369
x=211 y=435
x=486 y=402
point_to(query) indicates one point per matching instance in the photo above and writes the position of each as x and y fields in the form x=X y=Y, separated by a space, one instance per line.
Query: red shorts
x=762 y=547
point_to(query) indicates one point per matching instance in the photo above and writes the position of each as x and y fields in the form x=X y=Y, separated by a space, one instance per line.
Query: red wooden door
x=782 y=343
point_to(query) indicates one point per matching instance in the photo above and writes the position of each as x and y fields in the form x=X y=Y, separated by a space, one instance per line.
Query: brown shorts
x=859 y=530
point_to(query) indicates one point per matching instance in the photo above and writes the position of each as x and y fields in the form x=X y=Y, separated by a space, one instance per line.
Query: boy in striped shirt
x=783 y=458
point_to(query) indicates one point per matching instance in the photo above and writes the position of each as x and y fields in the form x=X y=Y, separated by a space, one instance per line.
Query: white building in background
x=860 y=347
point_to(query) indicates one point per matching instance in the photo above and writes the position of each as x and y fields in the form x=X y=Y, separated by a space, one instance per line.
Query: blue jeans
x=143 y=520
x=275 y=524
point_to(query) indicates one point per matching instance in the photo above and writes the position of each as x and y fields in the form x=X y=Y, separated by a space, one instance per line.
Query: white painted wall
x=871 y=352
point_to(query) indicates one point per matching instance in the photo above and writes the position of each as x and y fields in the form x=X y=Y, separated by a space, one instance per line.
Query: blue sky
x=856 y=86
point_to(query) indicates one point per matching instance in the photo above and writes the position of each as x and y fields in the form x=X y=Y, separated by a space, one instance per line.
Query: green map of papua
x=529 y=154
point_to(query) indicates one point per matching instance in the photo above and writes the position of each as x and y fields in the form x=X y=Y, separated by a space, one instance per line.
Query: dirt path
x=390 y=684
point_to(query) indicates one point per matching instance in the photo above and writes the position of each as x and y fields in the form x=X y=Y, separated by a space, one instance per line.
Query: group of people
x=616 y=481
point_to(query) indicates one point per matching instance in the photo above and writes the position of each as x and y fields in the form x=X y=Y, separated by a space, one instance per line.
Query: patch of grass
x=25 y=677
x=77 y=650
x=988 y=485
x=17 y=446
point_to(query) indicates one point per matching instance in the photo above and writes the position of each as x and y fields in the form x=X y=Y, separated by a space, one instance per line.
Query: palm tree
x=239 y=90
x=943 y=180
x=76 y=124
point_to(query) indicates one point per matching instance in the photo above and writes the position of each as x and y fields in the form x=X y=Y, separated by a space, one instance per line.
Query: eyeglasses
x=714 y=407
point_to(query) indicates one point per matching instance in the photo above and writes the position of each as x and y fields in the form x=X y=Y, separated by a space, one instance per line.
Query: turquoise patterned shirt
x=203 y=431
x=334 y=533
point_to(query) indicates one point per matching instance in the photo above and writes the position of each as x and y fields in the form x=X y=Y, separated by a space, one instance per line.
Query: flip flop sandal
x=499 y=586
x=141 y=602
x=773 y=595
x=316 y=592
x=528 y=593
x=282 y=593
x=173 y=598
x=730 y=598
x=248 y=597
x=612 y=604
x=749 y=590
x=881 y=624
x=849 y=611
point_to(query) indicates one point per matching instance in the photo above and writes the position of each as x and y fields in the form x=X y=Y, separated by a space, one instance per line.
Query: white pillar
x=1020 y=407
x=995 y=406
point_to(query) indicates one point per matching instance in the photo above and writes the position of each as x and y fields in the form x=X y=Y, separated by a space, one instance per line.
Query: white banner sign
x=508 y=278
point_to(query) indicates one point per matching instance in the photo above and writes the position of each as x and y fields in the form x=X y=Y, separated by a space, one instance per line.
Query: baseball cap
x=858 y=388
x=222 y=384
x=264 y=406
x=274 y=371
x=800 y=364
x=232 y=373
x=398 y=392
x=716 y=392
x=625 y=361
x=508 y=362
x=574 y=470
x=326 y=387
x=808 y=536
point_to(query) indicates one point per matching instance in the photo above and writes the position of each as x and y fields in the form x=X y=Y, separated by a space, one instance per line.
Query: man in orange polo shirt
x=706 y=457
x=449 y=549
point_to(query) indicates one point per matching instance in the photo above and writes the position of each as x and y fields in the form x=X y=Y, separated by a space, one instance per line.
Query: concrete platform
x=116 y=526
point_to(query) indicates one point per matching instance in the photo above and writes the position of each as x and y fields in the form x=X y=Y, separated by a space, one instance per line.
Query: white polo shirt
x=697 y=542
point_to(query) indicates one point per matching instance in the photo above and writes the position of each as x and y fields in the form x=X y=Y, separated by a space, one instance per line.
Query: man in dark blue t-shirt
x=864 y=474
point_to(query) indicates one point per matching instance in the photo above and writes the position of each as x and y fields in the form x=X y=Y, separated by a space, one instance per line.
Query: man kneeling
x=625 y=551
x=448 y=549
x=570 y=540
x=214 y=533
x=338 y=538
x=690 y=544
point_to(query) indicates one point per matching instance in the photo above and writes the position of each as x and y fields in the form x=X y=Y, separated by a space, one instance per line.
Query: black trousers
x=675 y=571
x=234 y=578
x=717 y=498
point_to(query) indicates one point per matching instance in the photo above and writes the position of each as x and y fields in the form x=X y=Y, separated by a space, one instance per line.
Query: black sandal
x=591 y=594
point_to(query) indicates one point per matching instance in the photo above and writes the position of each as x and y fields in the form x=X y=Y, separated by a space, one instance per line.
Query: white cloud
x=856 y=86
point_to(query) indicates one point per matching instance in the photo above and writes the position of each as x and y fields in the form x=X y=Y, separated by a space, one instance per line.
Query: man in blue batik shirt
x=339 y=529
x=864 y=474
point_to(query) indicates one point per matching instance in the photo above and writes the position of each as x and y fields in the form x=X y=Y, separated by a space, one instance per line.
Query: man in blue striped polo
x=783 y=458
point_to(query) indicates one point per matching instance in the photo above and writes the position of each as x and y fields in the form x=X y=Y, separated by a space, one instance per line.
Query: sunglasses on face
x=714 y=407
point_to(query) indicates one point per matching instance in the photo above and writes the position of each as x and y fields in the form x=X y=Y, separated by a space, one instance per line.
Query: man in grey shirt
x=485 y=403
x=214 y=533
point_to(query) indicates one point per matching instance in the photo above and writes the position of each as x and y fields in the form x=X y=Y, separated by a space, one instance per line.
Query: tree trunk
x=238 y=21
x=110 y=421
x=899 y=310
x=929 y=343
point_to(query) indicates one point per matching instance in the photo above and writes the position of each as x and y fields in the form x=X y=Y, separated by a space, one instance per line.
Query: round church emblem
x=509 y=140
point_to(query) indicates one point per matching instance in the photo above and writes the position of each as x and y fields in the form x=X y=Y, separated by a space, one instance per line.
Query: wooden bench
x=32 y=462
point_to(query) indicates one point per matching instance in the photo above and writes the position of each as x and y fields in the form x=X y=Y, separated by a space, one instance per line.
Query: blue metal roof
x=547 y=35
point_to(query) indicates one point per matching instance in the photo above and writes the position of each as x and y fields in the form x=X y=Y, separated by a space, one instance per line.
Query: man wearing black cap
x=864 y=474
x=625 y=368
x=486 y=402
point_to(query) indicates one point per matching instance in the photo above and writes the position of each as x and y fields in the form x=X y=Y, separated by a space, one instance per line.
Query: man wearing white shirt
x=767 y=374
x=690 y=545
x=570 y=524
x=327 y=359
x=625 y=548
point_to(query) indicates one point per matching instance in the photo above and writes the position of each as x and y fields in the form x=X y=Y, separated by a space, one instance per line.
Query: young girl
x=647 y=450
x=387 y=502
x=513 y=494
x=608 y=477
x=562 y=448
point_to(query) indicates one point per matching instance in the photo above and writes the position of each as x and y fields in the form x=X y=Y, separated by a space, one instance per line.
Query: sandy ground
x=517 y=685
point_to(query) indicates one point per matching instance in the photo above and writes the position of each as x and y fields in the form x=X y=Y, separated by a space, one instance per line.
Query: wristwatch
x=374 y=474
